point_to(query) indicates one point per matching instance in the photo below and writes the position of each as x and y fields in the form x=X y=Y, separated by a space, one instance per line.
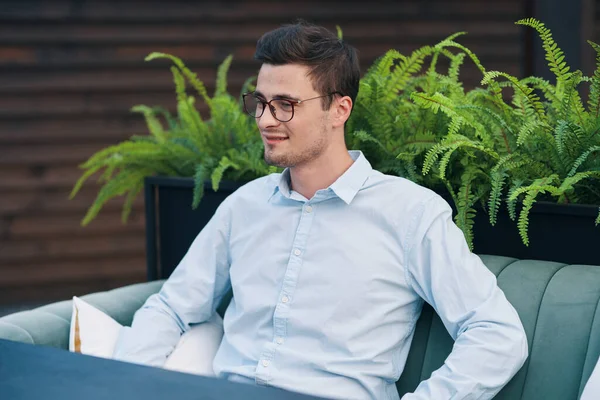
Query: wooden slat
x=68 y=227
x=155 y=12
x=53 y=249
x=59 y=154
x=29 y=177
x=82 y=103
x=56 y=201
x=360 y=32
x=57 y=129
x=202 y=55
x=72 y=270
x=144 y=80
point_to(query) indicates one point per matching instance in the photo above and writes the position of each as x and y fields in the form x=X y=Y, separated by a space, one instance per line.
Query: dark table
x=38 y=372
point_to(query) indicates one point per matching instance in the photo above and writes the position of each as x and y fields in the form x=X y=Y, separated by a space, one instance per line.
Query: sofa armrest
x=49 y=325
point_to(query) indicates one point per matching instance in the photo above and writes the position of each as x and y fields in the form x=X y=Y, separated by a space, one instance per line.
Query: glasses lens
x=284 y=110
x=253 y=106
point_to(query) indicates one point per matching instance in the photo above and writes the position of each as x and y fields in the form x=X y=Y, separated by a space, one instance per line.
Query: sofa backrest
x=557 y=303
x=50 y=325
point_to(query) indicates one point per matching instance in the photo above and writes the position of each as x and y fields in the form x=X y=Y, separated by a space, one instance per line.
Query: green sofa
x=557 y=303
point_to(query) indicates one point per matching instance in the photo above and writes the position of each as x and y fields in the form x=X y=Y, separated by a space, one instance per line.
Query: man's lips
x=274 y=139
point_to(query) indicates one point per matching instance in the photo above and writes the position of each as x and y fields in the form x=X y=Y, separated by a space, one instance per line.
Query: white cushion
x=94 y=333
x=591 y=391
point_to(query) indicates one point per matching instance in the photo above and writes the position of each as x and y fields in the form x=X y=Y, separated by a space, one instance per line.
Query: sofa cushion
x=95 y=333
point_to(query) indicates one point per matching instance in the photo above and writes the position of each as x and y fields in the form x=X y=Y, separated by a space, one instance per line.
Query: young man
x=330 y=262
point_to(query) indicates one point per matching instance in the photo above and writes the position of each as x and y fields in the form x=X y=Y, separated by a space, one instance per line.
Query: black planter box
x=557 y=232
x=562 y=233
x=171 y=223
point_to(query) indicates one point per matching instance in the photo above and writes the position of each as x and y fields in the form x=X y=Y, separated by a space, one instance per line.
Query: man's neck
x=320 y=173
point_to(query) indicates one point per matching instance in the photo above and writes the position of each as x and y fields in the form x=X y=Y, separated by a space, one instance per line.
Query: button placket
x=286 y=294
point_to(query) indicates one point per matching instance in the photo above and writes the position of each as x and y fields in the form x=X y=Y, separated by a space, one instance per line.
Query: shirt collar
x=345 y=187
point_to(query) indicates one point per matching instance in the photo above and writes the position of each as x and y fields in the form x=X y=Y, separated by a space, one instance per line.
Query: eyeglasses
x=281 y=109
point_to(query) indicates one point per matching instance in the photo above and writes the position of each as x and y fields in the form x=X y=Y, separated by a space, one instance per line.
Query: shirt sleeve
x=190 y=295
x=490 y=342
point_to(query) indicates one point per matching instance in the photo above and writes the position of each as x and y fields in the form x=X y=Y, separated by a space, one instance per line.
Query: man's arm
x=490 y=342
x=189 y=296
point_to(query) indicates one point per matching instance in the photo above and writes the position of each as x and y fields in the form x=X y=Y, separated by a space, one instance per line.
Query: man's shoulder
x=402 y=191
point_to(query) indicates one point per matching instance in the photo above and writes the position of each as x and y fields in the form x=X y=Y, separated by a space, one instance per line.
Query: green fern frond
x=200 y=176
x=432 y=156
x=497 y=180
x=129 y=199
x=455 y=64
x=560 y=133
x=527 y=92
x=221 y=84
x=571 y=107
x=511 y=202
x=554 y=55
x=581 y=159
x=217 y=174
x=458 y=115
x=523 y=223
x=154 y=125
x=418 y=142
x=383 y=66
x=191 y=76
x=543 y=85
x=363 y=136
x=465 y=214
x=569 y=183
x=506 y=133
x=528 y=129
x=89 y=172
x=180 y=85
x=472 y=56
x=248 y=86
x=539 y=186
x=447 y=147
x=117 y=186
x=407 y=67
x=594 y=96
x=439 y=49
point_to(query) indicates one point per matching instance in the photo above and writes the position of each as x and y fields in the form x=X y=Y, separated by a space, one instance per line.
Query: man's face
x=306 y=136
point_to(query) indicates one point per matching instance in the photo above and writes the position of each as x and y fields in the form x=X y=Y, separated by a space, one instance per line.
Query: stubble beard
x=287 y=158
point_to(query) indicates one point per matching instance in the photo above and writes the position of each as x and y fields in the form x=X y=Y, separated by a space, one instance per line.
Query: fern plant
x=398 y=124
x=532 y=148
x=226 y=146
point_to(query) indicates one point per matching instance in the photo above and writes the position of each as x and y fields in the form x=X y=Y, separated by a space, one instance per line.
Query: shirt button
x=308 y=209
x=265 y=363
x=297 y=252
x=279 y=340
x=285 y=299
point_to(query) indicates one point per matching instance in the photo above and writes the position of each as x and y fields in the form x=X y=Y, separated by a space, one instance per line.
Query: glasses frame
x=272 y=109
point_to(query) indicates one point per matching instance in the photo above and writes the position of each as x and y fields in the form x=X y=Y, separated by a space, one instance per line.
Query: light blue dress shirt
x=327 y=292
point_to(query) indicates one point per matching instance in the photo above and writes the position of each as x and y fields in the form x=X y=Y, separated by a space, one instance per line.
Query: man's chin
x=280 y=162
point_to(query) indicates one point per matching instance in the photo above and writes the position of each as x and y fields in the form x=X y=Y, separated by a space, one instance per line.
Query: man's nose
x=267 y=120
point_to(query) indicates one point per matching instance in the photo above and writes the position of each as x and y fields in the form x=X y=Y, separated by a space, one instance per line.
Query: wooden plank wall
x=70 y=71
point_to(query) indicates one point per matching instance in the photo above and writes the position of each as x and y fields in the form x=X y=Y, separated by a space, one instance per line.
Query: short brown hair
x=334 y=63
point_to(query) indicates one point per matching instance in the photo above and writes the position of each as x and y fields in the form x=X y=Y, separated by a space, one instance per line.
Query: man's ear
x=341 y=108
